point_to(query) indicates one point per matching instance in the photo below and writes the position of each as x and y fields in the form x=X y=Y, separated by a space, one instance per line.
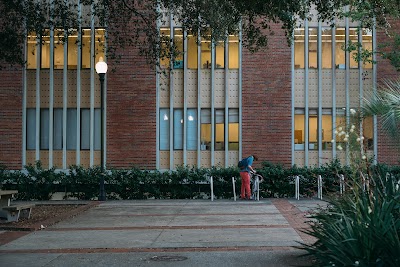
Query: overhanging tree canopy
x=196 y=16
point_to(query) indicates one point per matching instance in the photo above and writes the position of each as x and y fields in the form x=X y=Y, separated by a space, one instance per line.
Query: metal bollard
x=341 y=184
x=212 y=188
x=297 y=188
x=234 y=189
x=319 y=187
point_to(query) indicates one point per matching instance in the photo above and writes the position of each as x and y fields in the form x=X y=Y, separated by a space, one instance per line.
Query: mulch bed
x=45 y=215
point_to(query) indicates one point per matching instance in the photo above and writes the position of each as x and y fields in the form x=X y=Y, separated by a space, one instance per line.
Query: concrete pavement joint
x=128 y=250
x=167 y=227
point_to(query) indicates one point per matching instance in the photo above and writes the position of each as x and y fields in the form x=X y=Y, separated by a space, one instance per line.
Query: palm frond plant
x=385 y=102
x=357 y=230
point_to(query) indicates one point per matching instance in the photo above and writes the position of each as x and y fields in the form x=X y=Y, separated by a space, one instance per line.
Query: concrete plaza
x=170 y=233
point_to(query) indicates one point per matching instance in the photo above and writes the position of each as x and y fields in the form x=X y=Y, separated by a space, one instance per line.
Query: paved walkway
x=169 y=233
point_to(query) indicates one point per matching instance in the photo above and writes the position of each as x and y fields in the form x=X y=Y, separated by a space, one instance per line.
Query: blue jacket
x=249 y=163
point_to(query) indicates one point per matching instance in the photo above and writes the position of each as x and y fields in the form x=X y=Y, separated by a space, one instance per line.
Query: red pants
x=245 y=190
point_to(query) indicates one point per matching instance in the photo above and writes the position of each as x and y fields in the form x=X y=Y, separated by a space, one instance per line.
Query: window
x=299 y=119
x=71 y=128
x=353 y=40
x=86 y=48
x=367 y=46
x=85 y=129
x=220 y=55
x=58 y=129
x=233 y=138
x=164 y=129
x=33 y=46
x=165 y=36
x=192 y=52
x=73 y=48
x=44 y=129
x=312 y=48
x=219 y=129
x=178 y=44
x=45 y=60
x=326 y=48
x=30 y=128
x=178 y=129
x=313 y=129
x=205 y=130
x=326 y=129
x=299 y=49
x=368 y=132
x=340 y=126
x=191 y=130
x=340 y=44
x=233 y=51
x=58 y=49
x=206 y=52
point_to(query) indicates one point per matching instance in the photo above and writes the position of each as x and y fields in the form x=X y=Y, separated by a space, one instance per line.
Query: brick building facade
x=218 y=103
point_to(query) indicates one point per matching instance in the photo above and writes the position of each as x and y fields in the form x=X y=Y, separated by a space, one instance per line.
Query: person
x=245 y=176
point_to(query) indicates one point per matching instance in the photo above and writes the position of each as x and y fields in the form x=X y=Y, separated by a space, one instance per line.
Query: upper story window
x=338 y=50
x=65 y=40
x=192 y=48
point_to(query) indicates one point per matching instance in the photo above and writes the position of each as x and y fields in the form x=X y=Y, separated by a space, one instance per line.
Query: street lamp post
x=101 y=69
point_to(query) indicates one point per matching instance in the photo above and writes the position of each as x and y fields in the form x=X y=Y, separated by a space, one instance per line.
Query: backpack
x=242 y=163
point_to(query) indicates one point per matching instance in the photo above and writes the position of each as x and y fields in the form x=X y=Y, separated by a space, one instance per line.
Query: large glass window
x=192 y=51
x=299 y=49
x=326 y=48
x=219 y=129
x=164 y=129
x=233 y=52
x=233 y=129
x=191 y=130
x=299 y=119
x=178 y=129
x=312 y=48
x=178 y=45
x=340 y=45
x=205 y=130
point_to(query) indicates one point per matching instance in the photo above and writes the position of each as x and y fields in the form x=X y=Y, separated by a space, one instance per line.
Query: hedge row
x=37 y=183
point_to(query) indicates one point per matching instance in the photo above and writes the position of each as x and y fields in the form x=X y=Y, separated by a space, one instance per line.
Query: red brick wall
x=11 y=118
x=266 y=100
x=388 y=149
x=131 y=113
